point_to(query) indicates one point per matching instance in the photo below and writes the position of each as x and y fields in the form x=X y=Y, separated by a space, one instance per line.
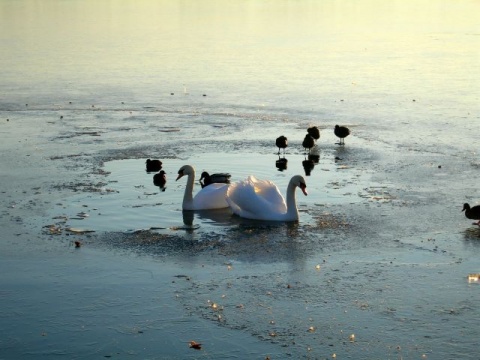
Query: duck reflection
x=472 y=236
x=312 y=158
x=308 y=166
x=281 y=163
x=314 y=154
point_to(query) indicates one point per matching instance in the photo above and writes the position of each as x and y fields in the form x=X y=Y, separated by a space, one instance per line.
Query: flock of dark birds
x=308 y=143
x=160 y=178
x=313 y=134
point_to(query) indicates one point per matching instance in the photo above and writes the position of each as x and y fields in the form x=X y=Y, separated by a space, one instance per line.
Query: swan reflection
x=213 y=216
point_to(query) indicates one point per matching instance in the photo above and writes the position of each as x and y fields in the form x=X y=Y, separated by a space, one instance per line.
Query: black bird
x=214 y=178
x=314 y=132
x=472 y=213
x=160 y=179
x=308 y=143
x=281 y=143
x=153 y=165
x=342 y=132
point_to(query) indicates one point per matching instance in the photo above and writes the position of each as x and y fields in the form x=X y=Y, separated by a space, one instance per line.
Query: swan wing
x=269 y=193
x=256 y=199
x=211 y=197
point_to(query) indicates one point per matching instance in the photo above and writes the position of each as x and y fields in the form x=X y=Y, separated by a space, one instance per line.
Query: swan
x=342 y=132
x=210 y=197
x=261 y=199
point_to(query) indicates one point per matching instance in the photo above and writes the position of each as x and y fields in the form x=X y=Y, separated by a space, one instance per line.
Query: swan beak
x=303 y=187
x=180 y=174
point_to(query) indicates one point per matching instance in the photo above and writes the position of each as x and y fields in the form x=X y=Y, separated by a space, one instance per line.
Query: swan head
x=185 y=170
x=299 y=181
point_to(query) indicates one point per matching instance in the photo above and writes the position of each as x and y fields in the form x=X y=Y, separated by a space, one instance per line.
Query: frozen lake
x=377 y=265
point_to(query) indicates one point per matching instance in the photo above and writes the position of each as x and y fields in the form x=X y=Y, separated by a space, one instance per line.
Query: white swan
x=261 y=199
x=210 y=197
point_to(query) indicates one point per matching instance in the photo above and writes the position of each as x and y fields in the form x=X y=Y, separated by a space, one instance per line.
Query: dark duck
x=308 y=143
x=153 y=165
x=472 y=213
x=314 y=132
x=160 y=179
x=281 y=143
x=341 y=132
x=207 y=179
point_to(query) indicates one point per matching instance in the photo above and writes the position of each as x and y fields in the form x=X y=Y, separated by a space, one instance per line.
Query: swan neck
x=292 y=211
x=188 y=195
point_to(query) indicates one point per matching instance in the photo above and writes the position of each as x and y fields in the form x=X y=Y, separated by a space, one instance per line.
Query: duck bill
x=303 y=187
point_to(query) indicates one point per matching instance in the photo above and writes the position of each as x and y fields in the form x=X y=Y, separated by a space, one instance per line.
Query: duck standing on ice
x=341 y=132
x=472 y=213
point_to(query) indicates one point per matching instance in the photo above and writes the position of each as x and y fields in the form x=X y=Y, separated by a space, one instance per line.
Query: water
x=92 y=89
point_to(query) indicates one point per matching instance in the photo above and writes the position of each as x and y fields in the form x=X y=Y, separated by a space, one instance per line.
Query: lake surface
x=90 y=89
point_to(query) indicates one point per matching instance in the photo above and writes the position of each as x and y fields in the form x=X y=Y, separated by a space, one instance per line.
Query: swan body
x=261 y=199
x=210 y=197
